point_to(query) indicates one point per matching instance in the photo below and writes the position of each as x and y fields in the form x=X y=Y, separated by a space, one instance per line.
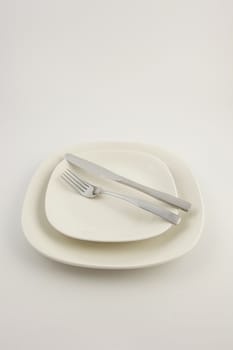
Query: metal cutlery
x=91 y=191
x=101 y=171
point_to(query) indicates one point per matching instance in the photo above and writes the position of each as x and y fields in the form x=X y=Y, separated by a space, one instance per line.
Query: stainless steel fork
x=91 y=191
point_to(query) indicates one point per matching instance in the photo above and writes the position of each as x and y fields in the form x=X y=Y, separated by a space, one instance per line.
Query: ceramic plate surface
x=174 y=243
x=107 y=219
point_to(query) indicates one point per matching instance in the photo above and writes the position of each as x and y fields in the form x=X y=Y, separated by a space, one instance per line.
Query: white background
x=159 y=72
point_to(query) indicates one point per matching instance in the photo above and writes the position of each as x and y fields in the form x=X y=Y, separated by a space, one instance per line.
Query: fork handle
x=159 y=211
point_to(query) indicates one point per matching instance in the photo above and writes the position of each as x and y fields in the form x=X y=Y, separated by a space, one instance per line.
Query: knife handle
x=154 y=209
x=162 y=196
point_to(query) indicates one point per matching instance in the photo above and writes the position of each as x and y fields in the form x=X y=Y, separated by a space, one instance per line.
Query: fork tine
x=76 y=178
x=71 y=182
x=78 y=183
x=67 y=181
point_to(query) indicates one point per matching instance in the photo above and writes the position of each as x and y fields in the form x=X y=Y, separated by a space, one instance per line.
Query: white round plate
x=103 y=218
x=177 y=241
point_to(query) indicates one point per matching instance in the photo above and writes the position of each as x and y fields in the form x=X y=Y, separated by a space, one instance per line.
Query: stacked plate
x=106 y=232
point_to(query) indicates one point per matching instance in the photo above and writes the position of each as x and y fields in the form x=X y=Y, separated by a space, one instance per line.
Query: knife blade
x=103 y=172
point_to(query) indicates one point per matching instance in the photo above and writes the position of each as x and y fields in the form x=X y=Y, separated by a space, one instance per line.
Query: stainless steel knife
x=103 y=172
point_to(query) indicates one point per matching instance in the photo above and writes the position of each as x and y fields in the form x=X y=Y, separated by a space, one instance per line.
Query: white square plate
x=174 y=243
x=104 y=218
